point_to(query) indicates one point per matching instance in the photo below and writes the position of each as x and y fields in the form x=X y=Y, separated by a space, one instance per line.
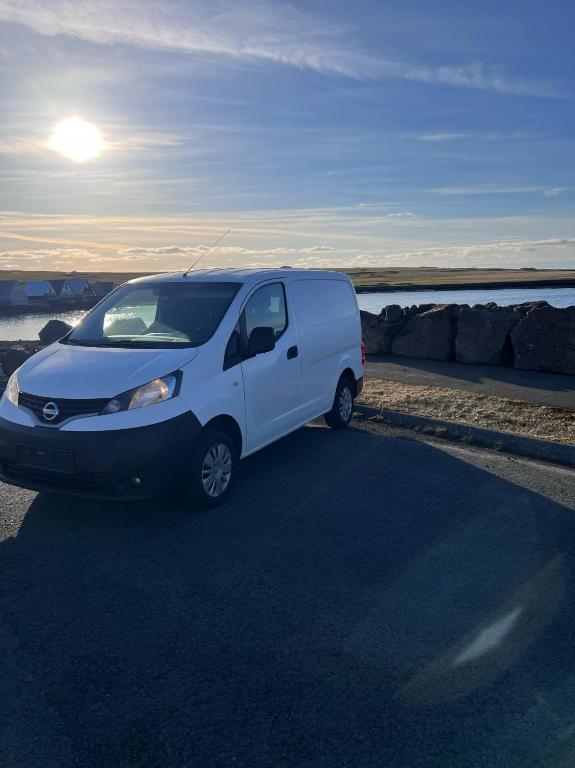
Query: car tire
x=342 y=408
x=211 y=470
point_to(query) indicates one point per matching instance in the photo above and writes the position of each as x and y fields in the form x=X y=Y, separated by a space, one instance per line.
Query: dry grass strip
x=500 y=413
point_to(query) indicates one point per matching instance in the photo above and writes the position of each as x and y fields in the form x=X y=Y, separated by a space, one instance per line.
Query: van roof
x=241 y=275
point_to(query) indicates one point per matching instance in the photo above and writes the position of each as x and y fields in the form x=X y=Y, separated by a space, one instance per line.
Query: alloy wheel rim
x=345 y=404
x=217 y=470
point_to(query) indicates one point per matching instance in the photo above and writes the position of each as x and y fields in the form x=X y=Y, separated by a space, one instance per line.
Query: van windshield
x=156 y=315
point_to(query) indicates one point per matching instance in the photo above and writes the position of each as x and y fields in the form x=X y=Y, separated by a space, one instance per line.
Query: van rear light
x=363 y=355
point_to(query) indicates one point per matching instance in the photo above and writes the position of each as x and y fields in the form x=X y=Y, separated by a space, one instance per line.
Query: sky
x=322 y=133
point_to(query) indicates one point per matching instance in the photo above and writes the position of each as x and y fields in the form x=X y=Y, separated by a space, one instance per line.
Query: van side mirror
x=262 y=339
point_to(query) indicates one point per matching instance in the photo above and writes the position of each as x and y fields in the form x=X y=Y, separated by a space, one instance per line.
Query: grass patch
x=500 y=413
x=432 y=276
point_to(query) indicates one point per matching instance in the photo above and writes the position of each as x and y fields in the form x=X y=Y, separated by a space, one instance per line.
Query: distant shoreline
x=56 y=308
x=472 y=286
x=365 y=279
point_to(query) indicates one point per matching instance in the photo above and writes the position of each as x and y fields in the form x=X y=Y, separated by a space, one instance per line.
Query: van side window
x=266 y=307
x=233 y=354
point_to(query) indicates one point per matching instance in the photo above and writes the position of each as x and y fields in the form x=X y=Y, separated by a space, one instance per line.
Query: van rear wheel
x=342 y=408
x=211 y=470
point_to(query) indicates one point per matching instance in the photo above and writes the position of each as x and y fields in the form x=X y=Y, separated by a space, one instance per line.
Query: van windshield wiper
x=129 y=343
x=138 y=344
x=81 y=342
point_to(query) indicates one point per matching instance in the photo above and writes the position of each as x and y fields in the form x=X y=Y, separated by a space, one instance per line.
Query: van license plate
x=51 y=459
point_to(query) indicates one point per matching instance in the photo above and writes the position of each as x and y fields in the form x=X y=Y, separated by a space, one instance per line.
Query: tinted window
x=156 y=315
x=267 y=307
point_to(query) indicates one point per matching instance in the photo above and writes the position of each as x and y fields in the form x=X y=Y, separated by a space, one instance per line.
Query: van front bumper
x=116 y=464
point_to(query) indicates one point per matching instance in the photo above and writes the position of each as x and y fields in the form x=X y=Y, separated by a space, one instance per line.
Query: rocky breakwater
x=14 y=353
x=533 y=336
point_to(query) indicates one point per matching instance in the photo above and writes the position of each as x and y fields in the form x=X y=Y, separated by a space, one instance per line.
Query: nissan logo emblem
x=50 y=411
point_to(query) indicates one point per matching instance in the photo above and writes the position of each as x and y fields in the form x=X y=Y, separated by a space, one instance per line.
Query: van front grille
x=67 y=409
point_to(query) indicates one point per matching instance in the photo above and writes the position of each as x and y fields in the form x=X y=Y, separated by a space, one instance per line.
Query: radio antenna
x=212 y=246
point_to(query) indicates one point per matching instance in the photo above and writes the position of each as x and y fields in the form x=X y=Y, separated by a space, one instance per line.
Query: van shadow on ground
x=361 y=600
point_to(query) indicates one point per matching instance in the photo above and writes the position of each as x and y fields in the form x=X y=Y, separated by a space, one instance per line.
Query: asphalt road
x=544 y=388
x=365 y=599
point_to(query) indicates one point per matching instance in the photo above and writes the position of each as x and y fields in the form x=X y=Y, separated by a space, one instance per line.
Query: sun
x=77 y=140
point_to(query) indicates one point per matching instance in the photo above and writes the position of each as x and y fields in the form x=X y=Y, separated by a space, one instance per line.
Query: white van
x=171 y=379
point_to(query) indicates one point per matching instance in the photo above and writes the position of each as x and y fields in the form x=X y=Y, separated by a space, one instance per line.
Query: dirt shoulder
x=499 y=413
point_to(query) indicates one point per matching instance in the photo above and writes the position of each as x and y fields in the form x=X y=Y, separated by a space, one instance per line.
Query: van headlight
x=156 y=391
x=12 y=389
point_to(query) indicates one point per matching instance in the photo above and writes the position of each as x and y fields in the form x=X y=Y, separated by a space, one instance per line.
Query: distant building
x=40 y=292
x=65 y=296
x=62 y=289
x=12 y=294
x=103 y=288
x=81 y=289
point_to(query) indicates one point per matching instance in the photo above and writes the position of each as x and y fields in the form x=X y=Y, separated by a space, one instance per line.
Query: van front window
x=156 y=315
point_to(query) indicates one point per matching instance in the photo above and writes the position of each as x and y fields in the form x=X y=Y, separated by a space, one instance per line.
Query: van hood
x=66 y=371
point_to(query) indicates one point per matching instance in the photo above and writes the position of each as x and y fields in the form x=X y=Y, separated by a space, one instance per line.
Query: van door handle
x=292 y=352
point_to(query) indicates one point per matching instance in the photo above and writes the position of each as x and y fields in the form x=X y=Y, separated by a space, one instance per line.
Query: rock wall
x=530 y=337
x=14 y=353
x=533 y=336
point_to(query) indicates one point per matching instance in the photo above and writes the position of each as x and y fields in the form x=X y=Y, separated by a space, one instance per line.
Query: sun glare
x=77 y=140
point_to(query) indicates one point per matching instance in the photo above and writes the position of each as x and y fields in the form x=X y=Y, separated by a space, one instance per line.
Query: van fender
x=205 y=410
x=349 y=363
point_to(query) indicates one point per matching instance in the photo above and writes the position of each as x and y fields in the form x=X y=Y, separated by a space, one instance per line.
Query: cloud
x=395 y=215
x=21 y=146
x=476 y=75
x=479 y=136
x=163 y=258
x=554 y=191
x=163 y=250
x=64 y=259
x=125 y=139
x=461 y=254
x=229 y=250
x=258 y=31
x=175 y=257
x=436 y=137
x=487 y=190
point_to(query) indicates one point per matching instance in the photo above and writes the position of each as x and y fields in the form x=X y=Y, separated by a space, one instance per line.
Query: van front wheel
x=211 y=470
x=342 y=408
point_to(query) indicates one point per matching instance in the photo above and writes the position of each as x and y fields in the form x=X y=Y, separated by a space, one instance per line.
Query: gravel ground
x=504 y=414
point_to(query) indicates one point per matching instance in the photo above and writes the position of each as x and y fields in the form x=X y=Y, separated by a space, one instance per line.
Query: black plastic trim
x=292 y=352
x=104 y=462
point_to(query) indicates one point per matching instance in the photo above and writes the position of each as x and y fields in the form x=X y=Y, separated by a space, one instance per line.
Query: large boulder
x=380 y=330
x=393 y=313
x=544 y=340
x=370 y=325
x=429 y=334
x=483 y=334
x=53 y=331
x=12 y=358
